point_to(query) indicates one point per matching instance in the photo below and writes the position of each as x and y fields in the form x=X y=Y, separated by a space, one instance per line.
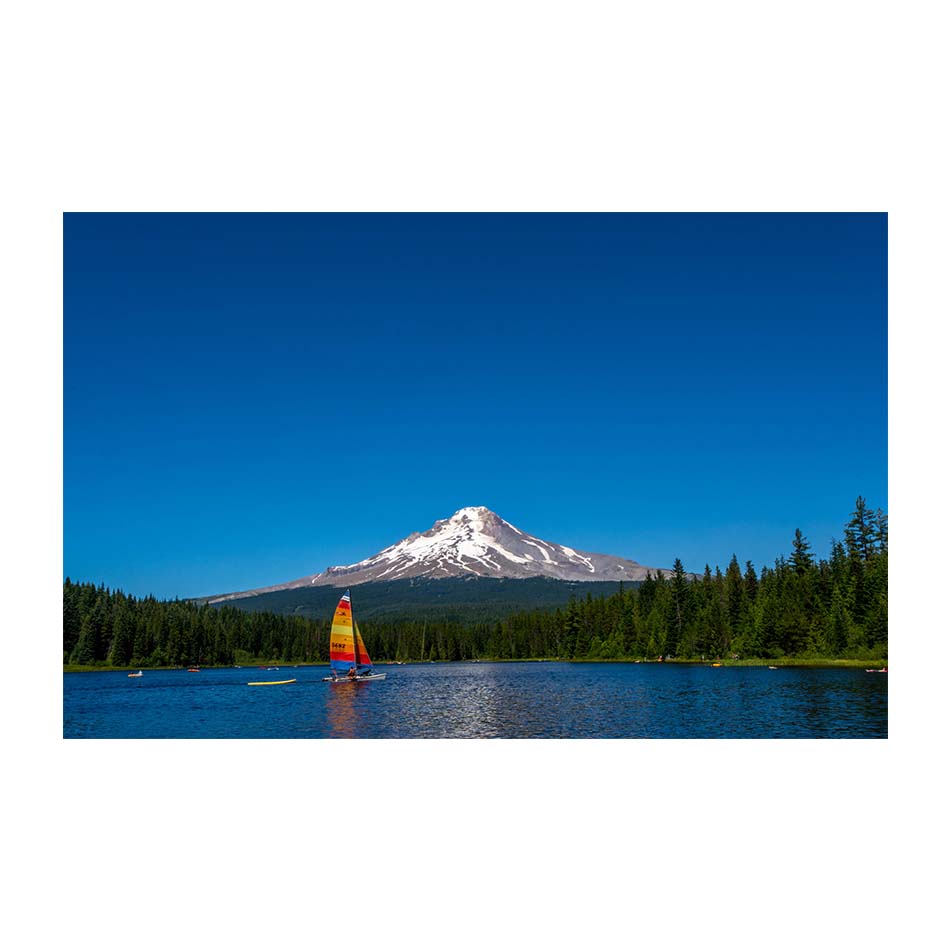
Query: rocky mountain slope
x=473 y=541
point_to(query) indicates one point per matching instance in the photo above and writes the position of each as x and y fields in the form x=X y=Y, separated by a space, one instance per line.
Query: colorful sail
x=364 y=659
x=347 y=649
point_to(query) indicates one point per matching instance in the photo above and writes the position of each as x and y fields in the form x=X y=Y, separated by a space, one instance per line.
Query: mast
x=356 y=639
x=423 y=657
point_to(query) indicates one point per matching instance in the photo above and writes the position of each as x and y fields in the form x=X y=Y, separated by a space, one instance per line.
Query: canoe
x=273 y=683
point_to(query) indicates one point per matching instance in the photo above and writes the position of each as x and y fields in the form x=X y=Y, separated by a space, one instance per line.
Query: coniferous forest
x=802 y=606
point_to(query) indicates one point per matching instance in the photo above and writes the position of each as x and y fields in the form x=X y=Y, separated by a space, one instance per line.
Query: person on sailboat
x=351 y=673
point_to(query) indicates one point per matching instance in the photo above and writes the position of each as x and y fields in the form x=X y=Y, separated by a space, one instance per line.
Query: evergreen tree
x=86 y=648
x=750 y=582
x=802 y=561
x=706 y=631
x=679 y=609
x=734 y=596
x=572 y=629
x=72 y=617
x=880 y=531
x=120 y=653
x=838 y=630
x=860 y=531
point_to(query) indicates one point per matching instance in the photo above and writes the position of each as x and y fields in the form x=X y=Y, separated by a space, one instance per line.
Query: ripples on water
x=484 y=700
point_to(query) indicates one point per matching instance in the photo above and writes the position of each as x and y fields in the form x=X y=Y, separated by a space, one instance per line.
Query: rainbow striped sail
x=347 y=650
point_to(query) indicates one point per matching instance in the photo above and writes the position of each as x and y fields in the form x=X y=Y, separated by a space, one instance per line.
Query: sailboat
x=349 y=661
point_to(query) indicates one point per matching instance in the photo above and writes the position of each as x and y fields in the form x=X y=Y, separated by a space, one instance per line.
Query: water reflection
x=445 y=705
x=342 y=709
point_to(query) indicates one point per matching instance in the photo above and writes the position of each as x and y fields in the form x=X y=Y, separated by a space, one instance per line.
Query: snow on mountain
x=474 y=541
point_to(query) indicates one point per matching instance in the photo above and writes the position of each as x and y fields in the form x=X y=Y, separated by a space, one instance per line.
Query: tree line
x=801 y=606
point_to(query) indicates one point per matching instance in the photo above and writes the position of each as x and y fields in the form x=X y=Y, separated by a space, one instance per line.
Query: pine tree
x=838 y=631
x=880 y=531
x=86 y=648
x=647 y=593
x=72 y=618
x=734 y=596
x=120 y=653
x=802 y=561
x=859 y=533
x=875 y=624
x=750 y=582
x=629 y=616
x=707 y=629
x=572 y=629
x=679 y=609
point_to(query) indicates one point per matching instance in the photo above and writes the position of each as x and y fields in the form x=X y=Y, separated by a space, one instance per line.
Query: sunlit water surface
x=482 y=700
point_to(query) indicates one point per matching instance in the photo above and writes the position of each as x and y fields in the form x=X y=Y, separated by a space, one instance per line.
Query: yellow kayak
x=272 y=683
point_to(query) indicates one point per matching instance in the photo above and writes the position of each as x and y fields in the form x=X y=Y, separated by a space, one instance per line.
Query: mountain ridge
x=474 y=541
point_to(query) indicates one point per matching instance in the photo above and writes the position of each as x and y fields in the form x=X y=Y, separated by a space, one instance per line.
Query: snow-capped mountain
x=473 y=541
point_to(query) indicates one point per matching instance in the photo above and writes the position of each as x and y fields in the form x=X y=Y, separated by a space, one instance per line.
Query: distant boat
x=273 y=683
x=193 y=669
x=272 y=669
x=773 y=667
x=715 y=664
x=135 y=675
x=882 y=670
x=349 y=661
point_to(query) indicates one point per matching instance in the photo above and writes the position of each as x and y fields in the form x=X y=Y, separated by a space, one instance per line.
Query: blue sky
x=250 y=398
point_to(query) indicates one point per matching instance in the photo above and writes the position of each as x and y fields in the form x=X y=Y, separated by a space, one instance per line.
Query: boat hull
x=354 y=679
x=272 y=683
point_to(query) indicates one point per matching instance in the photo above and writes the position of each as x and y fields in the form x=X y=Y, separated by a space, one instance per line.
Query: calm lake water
x=482 y=700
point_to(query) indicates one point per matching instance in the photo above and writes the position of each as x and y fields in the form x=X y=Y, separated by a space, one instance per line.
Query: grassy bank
x=799 y=661
x=875 y=663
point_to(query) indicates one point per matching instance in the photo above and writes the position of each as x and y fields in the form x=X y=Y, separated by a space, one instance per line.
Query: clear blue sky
x=250 y=398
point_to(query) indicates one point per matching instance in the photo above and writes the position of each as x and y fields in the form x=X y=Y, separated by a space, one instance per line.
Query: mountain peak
x=475 y=540
x=477 y=518
x=472 y=514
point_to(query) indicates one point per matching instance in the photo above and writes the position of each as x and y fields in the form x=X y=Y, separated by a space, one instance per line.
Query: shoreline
x=790 y=661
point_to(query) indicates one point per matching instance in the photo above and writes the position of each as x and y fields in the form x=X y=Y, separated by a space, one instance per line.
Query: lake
x=547 y=700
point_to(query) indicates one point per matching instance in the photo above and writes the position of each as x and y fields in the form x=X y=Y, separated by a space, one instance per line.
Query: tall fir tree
x=859 y=533
x=802 y=561
x=679 y=609
x=734 y=595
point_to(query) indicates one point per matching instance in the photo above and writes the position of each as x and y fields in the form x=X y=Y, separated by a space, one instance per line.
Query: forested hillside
x=801 y=606
x=465 y=600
